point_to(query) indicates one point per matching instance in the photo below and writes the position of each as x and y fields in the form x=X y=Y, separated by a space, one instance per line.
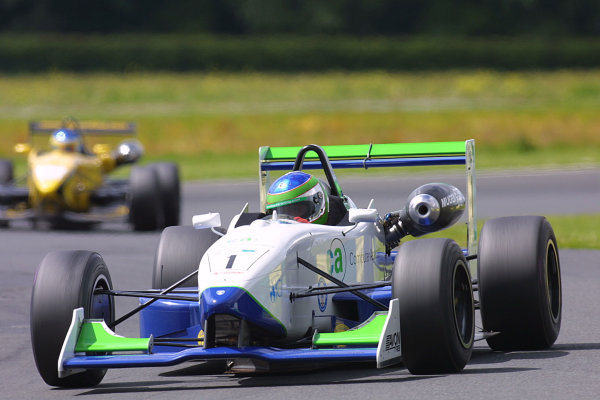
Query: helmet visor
x=303 y=209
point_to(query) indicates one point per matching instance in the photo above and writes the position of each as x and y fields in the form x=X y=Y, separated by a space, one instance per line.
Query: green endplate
x=96 y=336
x=367 y=333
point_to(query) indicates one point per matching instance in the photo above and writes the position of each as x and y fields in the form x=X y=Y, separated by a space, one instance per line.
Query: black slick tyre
x=6 y=178
x=169 y=188
x=178 y=254
x=145 y=209
x=6 y=172
x=431 y=279
x=66 y=280
x=519 y=283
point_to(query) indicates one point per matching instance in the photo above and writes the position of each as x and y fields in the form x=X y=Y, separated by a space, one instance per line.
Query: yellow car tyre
x=169 y=187
x=6 y=172
x=145 y=209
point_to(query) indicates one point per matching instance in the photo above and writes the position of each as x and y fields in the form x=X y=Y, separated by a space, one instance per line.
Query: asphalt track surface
x=570 y=369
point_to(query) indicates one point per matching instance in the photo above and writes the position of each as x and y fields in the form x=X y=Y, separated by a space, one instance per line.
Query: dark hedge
x=129 y=53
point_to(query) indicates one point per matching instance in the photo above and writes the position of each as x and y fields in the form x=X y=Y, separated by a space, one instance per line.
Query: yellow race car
x=67 y=185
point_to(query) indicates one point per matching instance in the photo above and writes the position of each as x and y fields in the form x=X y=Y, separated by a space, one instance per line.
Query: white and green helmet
x=298 y=194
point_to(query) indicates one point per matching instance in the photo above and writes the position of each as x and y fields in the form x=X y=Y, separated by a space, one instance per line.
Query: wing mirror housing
x=129 y=152
x=209 y=220
x=356 y=215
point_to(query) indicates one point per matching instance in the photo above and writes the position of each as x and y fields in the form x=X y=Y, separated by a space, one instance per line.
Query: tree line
x=481 y=18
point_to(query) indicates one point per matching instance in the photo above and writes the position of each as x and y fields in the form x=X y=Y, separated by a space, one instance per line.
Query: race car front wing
x=377 y=339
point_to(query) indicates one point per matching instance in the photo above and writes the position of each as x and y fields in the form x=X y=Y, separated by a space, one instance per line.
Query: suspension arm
x=317 y=291
x=341 y=284
x=124 y=293
x=146 y=304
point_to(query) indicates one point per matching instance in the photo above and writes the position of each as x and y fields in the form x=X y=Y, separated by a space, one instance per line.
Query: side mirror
x=22 y=148
x=209 y=220
x=129 y=152
x=356 y=215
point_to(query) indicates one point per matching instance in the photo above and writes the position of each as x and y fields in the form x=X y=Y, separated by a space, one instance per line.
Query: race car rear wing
x=84 y=127
x=379 y=155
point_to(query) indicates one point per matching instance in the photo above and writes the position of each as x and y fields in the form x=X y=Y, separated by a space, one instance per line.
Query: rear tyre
x=178 y=254
x=6 y=172
x=519 y=283
x=431 y=279
x=145 y=210
x=169 y=187
x=66 y=280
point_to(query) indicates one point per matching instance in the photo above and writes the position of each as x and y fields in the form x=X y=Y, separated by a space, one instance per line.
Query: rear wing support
x=380 y=155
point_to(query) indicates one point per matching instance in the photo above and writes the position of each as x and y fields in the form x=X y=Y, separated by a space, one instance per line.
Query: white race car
x=273 y=290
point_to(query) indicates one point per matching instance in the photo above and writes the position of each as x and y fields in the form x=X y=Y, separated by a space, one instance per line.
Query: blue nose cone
x=238 y=303
x=223 y=300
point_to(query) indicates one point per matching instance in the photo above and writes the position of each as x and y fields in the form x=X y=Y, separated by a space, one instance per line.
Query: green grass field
x=212 y=124
x=205 y=119
x=572 y=231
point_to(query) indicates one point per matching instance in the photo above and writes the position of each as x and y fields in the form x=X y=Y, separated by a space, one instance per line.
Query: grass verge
x=572 y=231
x=212 y=124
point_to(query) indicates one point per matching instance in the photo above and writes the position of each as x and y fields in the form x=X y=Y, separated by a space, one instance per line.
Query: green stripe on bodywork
x=287 y=202
x=95 y=336
x=367 y=333
x=359 y=151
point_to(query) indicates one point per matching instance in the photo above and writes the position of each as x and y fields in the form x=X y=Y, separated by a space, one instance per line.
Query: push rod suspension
x=150 y=295
x=341 y=284
x=317 y=291
x=146 y=304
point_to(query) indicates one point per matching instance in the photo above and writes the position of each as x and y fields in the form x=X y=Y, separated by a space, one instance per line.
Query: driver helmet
x=299 y=195
x=66 y=140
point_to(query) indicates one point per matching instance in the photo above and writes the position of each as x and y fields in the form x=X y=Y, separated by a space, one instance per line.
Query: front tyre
x=431 y=279
x=66 y=280
x=519 y=283
x=178 y=254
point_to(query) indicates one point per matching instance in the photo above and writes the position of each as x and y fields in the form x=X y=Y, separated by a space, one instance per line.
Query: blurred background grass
x=572 y=231
x=213 y=123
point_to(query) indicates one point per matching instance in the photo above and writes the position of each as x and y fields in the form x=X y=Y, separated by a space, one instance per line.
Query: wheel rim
x=462 y=297
x=553 y=281
x=101 y=304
